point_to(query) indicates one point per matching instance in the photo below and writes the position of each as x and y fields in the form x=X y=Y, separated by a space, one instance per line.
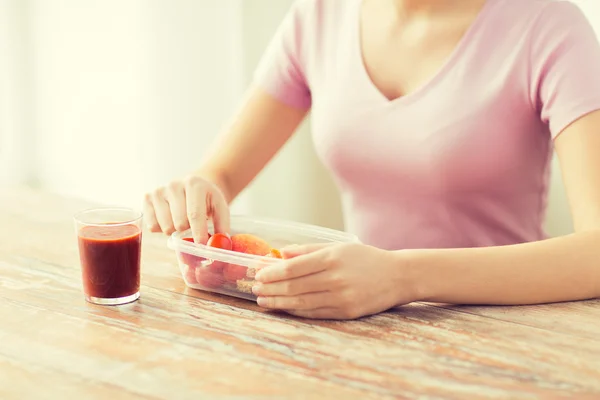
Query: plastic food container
x=232 y=273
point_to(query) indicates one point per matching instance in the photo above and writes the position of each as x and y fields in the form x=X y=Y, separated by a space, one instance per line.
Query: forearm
x=255 y=134
x=560 y=269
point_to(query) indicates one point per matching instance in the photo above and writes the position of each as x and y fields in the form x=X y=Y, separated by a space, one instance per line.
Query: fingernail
x=258 y=276
x=261 y=301
x=256 y=289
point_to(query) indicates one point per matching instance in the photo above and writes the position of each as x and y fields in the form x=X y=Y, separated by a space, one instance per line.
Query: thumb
x=298 y=250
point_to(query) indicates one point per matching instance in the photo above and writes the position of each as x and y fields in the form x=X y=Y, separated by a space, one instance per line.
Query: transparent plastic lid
x=277 y=233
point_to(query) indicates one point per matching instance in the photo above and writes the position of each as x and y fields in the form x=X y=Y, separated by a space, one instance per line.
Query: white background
x=106 y=99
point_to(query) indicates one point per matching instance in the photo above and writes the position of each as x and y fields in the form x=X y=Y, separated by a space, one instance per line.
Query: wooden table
x=178 y=343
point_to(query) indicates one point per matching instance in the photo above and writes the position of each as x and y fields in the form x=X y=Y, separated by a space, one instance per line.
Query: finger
x=195 y=191
x=149 y=214
x=319 y=313
x=220 y=212
x=309 y=301
x=163 y=212
x=308 y=284
x=292 y=268
x=298 y=250
x=176 y=200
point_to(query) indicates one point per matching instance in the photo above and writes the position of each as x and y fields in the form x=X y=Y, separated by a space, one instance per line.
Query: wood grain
x=178 y=343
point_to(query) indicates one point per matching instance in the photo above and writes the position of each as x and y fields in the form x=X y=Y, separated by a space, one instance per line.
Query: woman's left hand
x=339 y=281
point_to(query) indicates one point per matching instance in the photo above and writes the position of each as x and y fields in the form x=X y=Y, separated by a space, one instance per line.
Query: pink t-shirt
x=463 y=161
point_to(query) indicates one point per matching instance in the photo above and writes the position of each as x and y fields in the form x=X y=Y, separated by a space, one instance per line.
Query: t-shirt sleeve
x=281 y=71
x=565 y=66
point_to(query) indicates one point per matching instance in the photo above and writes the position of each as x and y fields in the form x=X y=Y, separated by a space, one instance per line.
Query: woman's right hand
x=185 y=204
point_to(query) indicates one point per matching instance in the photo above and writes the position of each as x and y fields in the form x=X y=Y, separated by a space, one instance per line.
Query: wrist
x=219 y=180
x=410 y=276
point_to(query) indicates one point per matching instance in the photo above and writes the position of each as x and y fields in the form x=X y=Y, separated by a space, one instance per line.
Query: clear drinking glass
x=110 y=248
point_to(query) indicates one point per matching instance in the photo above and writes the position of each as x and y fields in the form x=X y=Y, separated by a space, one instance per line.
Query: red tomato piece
x=220 y=241
x=189 y=259
x=189 y=274
x=209 y=279
x=233 y=272
x=191 y=240
x=217 y=267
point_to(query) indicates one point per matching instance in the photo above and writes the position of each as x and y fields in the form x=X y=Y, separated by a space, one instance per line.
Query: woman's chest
x=453 y=138
x=471 y=126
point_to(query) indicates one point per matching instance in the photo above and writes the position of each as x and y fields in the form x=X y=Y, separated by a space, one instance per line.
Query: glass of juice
x=110 y=248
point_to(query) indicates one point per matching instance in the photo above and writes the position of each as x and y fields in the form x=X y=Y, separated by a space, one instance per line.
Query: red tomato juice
x=110 y=260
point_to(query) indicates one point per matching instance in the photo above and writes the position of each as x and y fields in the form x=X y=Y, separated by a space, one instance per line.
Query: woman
x=438 y=120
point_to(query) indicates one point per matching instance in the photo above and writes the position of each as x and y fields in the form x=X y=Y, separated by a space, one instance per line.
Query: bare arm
x=257 y=132
x=559 y=269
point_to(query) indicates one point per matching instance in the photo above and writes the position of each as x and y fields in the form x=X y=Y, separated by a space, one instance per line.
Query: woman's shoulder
x=561 y=57
x=533 y=24
x=542 y=12
x=554 y=23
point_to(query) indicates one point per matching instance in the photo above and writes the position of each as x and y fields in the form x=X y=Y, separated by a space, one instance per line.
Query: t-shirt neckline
x=434 y=79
